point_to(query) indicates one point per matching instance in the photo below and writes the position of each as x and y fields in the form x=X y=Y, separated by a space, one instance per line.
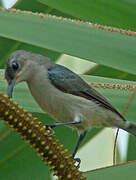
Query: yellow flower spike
x=54 y=156
x=30 y=115
x=25 y=111
x=62 y=166
x=55 y=142
x=15 y=103
x=18 y=112
x=33 y=135
x=15 y=120
x=38 y=137
x=61 y=145
x=73 y=168
x=43 y=142
x=8 y=104
x=57 y=147
x=69 y=176
x=24 y=128
x=65 y=151
x=77 y=173
x=34 y=145
x=30 y=131
x=10 y=117
x=20 y=124
x=49 y=162
x=37 y=125
x=42 y=129
x=13 y=108
x=22 y=115
x=50 y=152
x=41 y=154
x=27 y=119
x=53 y=167
x=60 y=178
x=34 y=119
x=11 y=125
x=6 y=113
x=37 y=149
x=68 y=156
x=20 y=108
x=46 y=133
x=50 y=138
x=31 y=122
x=47 y=148
x=70 y=163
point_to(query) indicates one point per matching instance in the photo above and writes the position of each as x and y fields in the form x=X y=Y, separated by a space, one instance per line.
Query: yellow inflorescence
x=38 y=137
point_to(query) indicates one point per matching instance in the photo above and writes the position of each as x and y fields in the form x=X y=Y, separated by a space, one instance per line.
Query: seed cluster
x=39 y=138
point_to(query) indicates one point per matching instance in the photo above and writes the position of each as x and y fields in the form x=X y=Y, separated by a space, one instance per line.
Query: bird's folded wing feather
x=69 y=82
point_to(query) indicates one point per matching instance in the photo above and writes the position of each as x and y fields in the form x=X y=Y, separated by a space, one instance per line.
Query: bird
x=63 y=94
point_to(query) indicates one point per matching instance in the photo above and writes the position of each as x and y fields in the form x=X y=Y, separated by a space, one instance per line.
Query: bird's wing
x=69 y=82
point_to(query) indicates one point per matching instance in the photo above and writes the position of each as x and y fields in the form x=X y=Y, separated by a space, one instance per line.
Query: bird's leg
x=81 y=137
x=51 y=126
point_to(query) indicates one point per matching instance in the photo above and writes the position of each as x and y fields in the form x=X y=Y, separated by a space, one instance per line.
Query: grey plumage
x=63 y=94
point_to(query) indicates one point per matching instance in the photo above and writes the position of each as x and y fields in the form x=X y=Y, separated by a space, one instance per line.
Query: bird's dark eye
x=14 y=66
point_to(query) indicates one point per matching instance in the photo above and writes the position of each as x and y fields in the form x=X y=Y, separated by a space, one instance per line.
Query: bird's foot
x=78 y=161
x=52 y=132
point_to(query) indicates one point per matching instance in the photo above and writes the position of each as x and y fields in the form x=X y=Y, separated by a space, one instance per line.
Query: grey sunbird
x=63 y=95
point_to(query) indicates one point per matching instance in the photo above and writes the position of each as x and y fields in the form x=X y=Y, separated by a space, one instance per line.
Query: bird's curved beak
x=11 y=85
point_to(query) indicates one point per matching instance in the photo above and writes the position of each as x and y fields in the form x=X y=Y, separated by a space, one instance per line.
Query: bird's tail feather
x=131 y=129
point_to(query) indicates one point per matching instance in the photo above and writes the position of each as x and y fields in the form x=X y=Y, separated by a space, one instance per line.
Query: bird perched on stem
x=63 y=95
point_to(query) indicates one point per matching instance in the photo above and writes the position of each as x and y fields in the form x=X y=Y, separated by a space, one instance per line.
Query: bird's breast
x=65 y=107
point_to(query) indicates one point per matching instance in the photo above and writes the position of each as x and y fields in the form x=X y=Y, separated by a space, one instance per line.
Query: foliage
x=111 y=48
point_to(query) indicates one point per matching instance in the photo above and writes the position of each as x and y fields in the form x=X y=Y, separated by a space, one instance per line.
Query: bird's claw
x=52 y=132
x=78 y=160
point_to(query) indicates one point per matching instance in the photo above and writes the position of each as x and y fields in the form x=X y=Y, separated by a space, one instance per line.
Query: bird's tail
x=131 y=128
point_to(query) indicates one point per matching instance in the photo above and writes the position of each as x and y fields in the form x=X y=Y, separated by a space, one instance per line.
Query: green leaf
x=131 y=150
x=7 y=46
x=113 y=12
x=19 y=160
x=125 y=171
x=1 y=3
x=71 y=37
x=32 y=5
x=104 y=71
x=45 y=52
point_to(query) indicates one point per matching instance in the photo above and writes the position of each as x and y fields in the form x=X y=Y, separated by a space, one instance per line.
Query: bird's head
x=17 y=69
x=23 y=66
